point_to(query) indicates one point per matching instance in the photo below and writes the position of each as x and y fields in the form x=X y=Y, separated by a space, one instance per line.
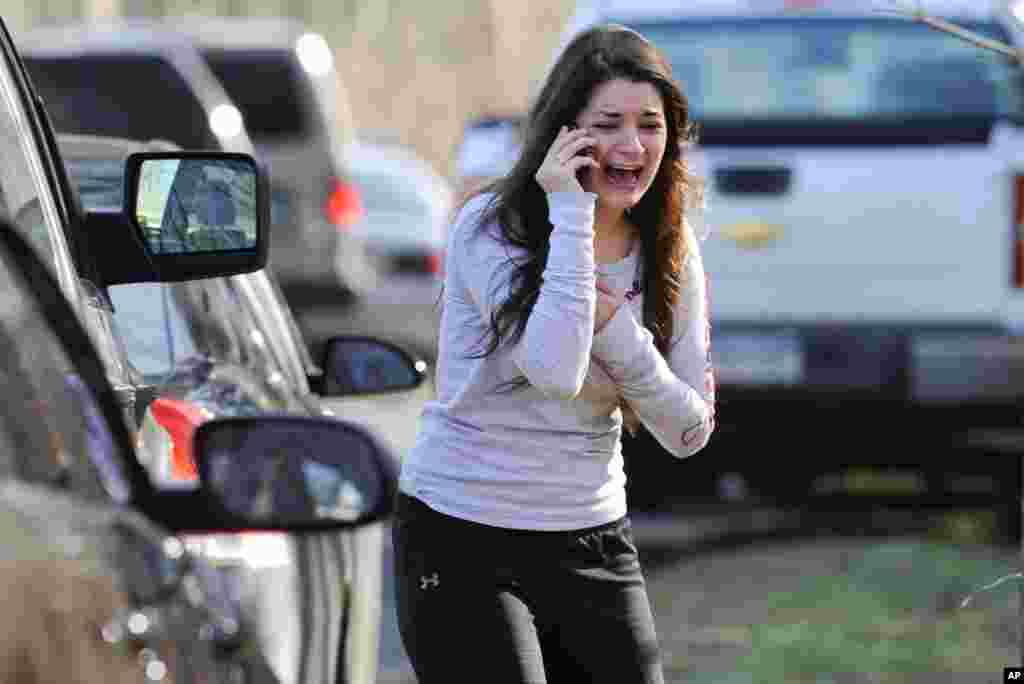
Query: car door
x=91 y=585
x=222 y=347
x=36 y=195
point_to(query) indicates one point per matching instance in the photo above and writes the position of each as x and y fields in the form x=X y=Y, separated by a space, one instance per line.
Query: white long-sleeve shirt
x=548 y=455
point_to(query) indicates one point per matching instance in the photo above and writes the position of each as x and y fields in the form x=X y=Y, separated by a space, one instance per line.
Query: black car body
x=97 y=588
x=89 y=253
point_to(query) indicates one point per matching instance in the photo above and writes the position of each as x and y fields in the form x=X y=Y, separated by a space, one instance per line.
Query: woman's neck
x=613 y=235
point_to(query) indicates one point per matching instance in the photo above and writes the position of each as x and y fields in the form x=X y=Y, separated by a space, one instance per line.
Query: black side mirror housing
x=359 y=366
x=187 y=215
x=291 y=473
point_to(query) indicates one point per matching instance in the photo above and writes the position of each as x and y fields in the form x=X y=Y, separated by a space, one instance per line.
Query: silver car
x=223 y=347
x=282 y=77
x=407 y=206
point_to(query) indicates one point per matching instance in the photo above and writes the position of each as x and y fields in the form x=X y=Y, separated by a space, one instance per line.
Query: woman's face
x=628 y=120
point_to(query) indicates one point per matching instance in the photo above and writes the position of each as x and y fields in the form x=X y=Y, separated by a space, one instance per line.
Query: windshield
x=164 y=324
x=267 y=86
x=827 y=69
x=127 y=96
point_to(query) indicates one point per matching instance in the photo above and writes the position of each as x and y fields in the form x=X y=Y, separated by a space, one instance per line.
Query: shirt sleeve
x=674 y=397
x=554 y=351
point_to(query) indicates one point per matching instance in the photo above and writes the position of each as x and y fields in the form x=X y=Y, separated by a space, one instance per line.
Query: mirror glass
x=192 y=204
x=364 y=366
x=289 y=471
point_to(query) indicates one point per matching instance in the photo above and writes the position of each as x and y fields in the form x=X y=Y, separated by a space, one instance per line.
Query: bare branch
x=918 y=14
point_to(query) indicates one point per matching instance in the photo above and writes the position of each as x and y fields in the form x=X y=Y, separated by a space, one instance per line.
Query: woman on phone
x=574 y=295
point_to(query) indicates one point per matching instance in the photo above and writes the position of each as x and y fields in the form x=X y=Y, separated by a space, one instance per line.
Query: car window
x=164 y=324
x=269 y=88
x=793 y=68
x=255 y=342
x=140 y=97
x=51 y=429
x=153 y=327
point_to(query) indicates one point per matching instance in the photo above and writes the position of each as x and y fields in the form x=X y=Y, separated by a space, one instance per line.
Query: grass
x=894 y=612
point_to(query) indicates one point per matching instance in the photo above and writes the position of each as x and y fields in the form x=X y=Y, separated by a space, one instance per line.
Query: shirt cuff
x=572 y=241
x=572 y=209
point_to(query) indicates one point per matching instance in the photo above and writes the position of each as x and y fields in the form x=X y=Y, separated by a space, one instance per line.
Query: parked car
x=131 y=80
x=282 y=77
x=92 y=251
x=229 y=347
x=864 y=184
x=89 y=252
x=97 y=586
x=144 y=79
x=406 y=208
x=488 y=149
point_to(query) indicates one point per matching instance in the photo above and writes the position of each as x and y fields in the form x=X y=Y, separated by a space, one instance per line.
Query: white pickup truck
x=865 y=182
x=865 y=246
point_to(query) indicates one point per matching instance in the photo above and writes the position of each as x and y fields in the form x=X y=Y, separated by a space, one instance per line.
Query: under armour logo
x=427 y=582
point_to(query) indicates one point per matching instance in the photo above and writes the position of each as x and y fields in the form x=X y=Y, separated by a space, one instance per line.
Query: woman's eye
x=604 y=127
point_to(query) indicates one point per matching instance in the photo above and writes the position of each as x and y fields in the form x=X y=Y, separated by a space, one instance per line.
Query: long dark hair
x=519 y=205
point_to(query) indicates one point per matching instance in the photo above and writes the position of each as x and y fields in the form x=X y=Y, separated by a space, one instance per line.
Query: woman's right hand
x=557 y=173
x=608 y=302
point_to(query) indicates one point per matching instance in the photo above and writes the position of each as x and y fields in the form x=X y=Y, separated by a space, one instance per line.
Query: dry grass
x=873 y=609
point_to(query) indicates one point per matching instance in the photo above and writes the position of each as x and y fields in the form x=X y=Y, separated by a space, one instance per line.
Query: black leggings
x=482 y=603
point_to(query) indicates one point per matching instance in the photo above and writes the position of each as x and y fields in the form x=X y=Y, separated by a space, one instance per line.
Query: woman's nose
x=630 y=141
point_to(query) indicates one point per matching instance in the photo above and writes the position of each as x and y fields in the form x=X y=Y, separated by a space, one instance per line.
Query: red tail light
x=344 y=206
x=1017 y=235
x=180 y=419
x=435 y=263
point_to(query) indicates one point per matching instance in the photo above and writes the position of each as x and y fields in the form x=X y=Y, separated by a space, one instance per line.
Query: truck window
x=800 y=69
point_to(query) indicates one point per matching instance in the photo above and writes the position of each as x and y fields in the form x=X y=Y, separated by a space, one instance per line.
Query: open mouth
x=625 y=176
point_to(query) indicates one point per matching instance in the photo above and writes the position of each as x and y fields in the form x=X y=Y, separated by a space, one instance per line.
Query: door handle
x=753 y=180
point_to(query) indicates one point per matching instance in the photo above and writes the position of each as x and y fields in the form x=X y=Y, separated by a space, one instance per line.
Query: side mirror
x=186 y=215
x=363 y=365
x=294 y=472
